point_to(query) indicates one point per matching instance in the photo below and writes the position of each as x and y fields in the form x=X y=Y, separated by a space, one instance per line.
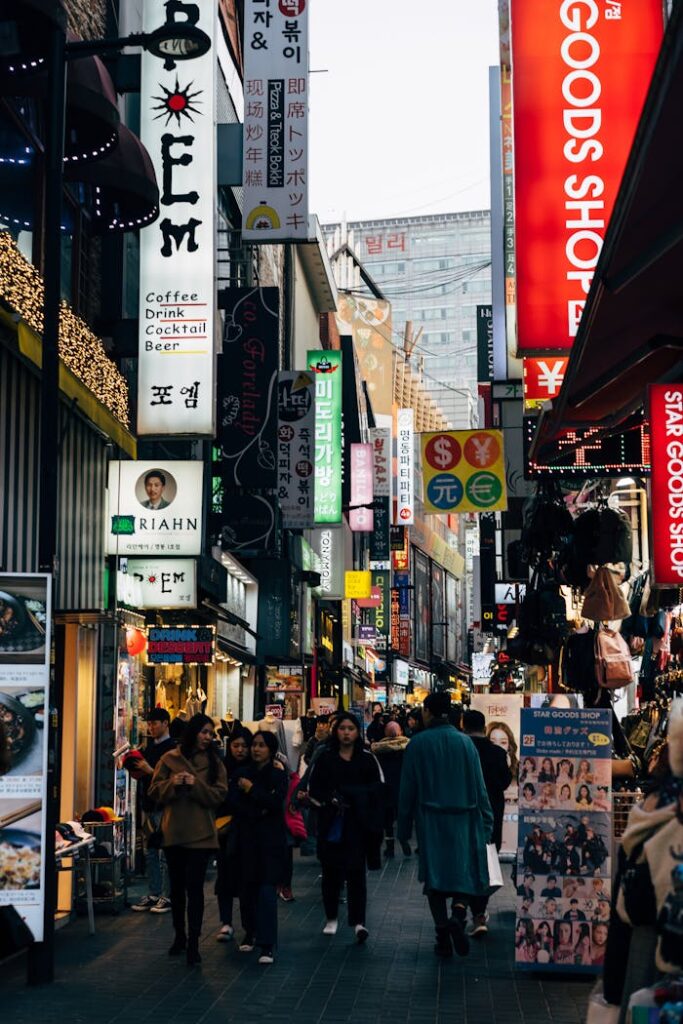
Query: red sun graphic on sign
x=177 y=103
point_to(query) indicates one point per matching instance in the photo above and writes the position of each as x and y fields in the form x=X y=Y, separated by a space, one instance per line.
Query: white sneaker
x=479 y=926
x=361 y=933
x=330 y=928
x=226 y=933
x=162 y=906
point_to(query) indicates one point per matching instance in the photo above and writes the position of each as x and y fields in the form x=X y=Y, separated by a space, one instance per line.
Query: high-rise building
x=435 y=270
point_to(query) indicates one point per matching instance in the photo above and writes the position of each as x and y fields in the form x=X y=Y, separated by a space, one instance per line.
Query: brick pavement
x=123 y=974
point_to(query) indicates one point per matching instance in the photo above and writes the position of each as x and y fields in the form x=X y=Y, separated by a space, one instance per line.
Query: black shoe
x=443 y=947
x=389 y=849
x=405 y=847
x=193 y=954
x=461 y=944
x=179 y=945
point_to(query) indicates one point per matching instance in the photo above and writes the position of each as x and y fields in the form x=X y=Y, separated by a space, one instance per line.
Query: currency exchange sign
x=463 y=471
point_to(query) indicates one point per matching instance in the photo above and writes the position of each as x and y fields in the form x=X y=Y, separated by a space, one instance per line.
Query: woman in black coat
x=228 y=873
x=346 y=784
x=261 y=843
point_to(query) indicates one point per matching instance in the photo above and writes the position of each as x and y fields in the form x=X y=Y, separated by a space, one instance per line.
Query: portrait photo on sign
x=155 y=489
x=23 y=620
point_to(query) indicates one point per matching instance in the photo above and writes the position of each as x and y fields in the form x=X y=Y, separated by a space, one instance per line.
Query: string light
x=81 y=351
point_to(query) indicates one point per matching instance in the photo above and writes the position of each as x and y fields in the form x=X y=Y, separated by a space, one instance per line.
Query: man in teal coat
x=443 y=795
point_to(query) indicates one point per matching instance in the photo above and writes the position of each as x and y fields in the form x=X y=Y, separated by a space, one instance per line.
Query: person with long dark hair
x=227 y=876
x=261 y=844
x=190 y=784
x=346 y=785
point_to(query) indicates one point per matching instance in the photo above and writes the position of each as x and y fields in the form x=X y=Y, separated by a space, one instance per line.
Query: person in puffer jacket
x=389 y=752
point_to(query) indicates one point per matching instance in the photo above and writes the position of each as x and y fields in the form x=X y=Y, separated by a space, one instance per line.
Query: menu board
x=25 y=618
x=564 y=840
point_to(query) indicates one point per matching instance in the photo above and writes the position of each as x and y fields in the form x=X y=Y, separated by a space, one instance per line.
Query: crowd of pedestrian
x=411 y=774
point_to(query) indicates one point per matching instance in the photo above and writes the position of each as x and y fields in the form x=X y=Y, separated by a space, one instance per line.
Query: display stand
x=81 y=861
x=108 y=870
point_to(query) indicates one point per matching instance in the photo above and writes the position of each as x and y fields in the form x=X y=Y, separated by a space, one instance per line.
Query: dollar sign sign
x=442 y=452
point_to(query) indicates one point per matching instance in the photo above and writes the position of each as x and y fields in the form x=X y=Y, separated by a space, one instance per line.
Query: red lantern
x=136 y=641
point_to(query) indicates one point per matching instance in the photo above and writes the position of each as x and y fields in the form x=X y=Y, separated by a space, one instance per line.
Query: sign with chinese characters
x=154 y=508
x=357 y=584
x=327 y=368
x=580 y=73
x=177 y=252
x=247 y=388
x=275 y=149
x=380 y=439
x=463 y=471
x=405 y=498
x=543 y=379
x=666 y=426
x=181 y=645
x=564 y=840
x=402 y=581
x=295 y=444
x=25 y=624
x=157 y=582
x=360 y=515
x=328 y=545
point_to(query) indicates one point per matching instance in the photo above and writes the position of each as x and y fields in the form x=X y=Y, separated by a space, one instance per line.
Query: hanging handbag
x=493 y=866
x=613 y=665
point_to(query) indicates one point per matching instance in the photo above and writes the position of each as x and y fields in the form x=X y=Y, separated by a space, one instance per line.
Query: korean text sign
x=463 y=471
x=177 y=252
x=380 y=439
x=275 y=152
x=580 y=73
x=405 y=497
x=295 y=447
x=327 y=370
x=666 y=428
x=361 y=517
x=564 y=842
x=25 y=624
x=154 y=508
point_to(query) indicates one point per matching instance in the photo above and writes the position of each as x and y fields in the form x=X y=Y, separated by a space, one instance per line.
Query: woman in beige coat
x=189 y=783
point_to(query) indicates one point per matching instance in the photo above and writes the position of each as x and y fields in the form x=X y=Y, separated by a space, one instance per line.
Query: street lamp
x=172 y=42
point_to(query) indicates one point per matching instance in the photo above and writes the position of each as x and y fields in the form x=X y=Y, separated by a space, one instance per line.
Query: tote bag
x=493 y=865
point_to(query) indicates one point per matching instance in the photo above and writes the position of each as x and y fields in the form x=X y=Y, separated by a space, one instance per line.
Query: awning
x=631 y=332
x=26 y=28
x=123 y=188
x=92 y=115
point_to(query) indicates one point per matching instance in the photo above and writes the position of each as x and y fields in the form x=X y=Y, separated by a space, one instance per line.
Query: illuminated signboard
x=580 y=73
x=180 y=645
x=327 y=367
x=583 y=454
x=666 y=418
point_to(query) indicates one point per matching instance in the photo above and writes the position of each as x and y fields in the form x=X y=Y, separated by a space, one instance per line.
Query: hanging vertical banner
x=361 y=517
x=25 y=623
x=379 y=539
x=380 y=439
x=275 y=150
x=326 y=366
x=484 y=344
x=295 y=443
x=463 y=471
x=564 y=841
x=177 y=253
x=247 y=388
x=666 y=428
x=328 y=544
x=380 y=615
x=580 y=73
x=405 y=498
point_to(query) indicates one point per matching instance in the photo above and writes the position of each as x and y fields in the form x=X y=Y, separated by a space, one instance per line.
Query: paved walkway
x=122 y=975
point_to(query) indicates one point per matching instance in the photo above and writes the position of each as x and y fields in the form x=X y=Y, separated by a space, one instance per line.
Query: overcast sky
x=399 y=123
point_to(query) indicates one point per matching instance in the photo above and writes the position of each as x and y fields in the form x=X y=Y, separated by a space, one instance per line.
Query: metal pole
x=41 y=954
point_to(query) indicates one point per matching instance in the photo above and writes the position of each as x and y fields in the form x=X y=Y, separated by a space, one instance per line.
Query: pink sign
x=362 y=487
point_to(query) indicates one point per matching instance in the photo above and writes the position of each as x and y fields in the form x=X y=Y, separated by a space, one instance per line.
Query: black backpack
x=599 y=535
x=547 y=524
x=542 y=624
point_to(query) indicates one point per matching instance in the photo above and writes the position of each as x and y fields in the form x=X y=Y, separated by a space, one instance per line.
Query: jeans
x=155 y=864
x=356 y=892
x=187 y=872
x=258 y=906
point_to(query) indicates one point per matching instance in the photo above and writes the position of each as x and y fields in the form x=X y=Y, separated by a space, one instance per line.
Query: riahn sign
x=177 y=253
x=580 y=73
x=666 y=438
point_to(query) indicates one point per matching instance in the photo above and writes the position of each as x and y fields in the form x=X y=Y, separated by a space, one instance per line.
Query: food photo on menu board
x=22 y=714
x=564 y=870
x=20 y=850
x=23 y=626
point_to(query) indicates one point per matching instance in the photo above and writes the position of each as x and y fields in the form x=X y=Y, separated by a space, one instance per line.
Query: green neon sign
x=327 y=367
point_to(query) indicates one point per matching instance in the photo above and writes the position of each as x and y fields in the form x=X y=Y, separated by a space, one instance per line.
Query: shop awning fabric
x=631 y=332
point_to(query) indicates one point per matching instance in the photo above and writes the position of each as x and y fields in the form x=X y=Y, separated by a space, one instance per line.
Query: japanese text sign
x=177 y=252
x=327 y=370
x=295 y=444
x=543 y=379
x=666 y=427
x=154 y=508
x=463 y=471
x=405 y=497
x=357 y=584
x=157 y=582
x=580 y=73
x=361 y=517
x=275 y=149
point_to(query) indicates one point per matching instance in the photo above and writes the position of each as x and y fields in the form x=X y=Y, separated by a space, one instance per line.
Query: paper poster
x=564 y=843
x=501 y=712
